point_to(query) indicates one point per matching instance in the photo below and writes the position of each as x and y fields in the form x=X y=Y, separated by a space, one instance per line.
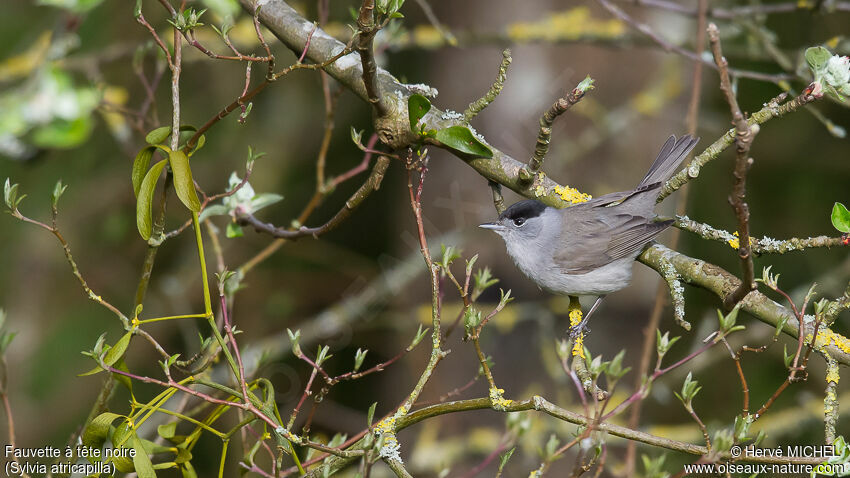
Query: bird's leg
x=576 y=330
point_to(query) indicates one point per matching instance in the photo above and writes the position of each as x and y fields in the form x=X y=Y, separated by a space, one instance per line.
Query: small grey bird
x=589 y=248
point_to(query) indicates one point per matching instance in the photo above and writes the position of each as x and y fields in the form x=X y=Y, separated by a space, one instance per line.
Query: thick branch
x=721 y=283
x=293 y=30
x=365 y=39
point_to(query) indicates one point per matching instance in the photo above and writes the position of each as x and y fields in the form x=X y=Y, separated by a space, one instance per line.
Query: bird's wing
x=607 y=236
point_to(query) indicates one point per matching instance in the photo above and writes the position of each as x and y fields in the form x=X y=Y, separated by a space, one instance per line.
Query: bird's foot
x=580 y=329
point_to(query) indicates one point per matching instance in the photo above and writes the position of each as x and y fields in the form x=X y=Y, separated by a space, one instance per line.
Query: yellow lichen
x=735 y=243
x=828 y=338
x=652 y=99
x=497 y=399
x=575 y=320
x=115 y=96
x=426 y=36
x=539 y=191
x=571 y=195
x=575 y=316
x=386 y=426
x=21 y=65
x=567 y=25
x=578 y=346
x=508 y=318
x=832 y=375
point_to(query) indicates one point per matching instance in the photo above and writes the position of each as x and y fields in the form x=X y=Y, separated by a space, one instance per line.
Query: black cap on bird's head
x=516 y=215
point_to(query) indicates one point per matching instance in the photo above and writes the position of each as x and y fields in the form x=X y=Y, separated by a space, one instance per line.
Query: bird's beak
x=492 y=225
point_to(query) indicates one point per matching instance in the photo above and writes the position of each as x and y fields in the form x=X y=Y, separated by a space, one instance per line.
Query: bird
x=588 y=249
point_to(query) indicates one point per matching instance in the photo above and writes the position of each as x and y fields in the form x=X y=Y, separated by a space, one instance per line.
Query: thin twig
x=543 y=136
x=743 y=140
x=141 y=19
x=478 y=105
x=371 y=185
x=732 y=13
x=649 y=32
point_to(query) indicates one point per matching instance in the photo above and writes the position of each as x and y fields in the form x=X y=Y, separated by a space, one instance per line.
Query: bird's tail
x=669 y=158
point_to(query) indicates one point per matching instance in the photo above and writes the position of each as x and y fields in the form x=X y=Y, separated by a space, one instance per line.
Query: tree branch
x=372 y=184
x=365 y=39
x=722 y=283
x=544 y=135
x=743 y=140
x=293 y=30
x=646 y=30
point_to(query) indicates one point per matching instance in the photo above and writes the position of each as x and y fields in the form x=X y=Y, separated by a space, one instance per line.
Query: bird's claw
x=579 y=329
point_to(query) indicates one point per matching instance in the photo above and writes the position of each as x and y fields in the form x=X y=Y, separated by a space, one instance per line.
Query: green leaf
x=6 y=339
x=202 y=140
x=264 y=200
x=144 y=202
x=123 y=379
x=840 y=217
x=183 y=455
x=183 y=183
x=188 y=471
x=417 y=106
x=63 y=134
x=817 y=57
x=158 y=136
x=117 y=350
x=10 y=193
x=214 y=210
x=370 y=415
x=394 y=6
x=142 y=462
x=357 y=137
x=245 y=113
x=233 y=230
x=460 y=139
x=167 y=431
x=504 y=457
x=58 y=191
x=98 y=429
x=585 y=85
x=140 y=167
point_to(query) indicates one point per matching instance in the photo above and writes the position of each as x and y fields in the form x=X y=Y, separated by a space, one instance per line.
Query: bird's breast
x=604 y=280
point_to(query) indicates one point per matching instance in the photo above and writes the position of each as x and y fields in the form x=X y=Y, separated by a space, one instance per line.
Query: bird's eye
x=519 y=221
